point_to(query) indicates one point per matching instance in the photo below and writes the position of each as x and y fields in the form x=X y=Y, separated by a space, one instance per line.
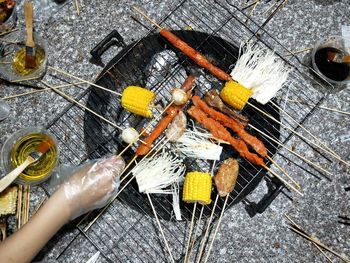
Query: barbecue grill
x=152 y=62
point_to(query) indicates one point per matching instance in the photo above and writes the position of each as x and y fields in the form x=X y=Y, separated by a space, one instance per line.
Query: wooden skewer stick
x=6 y=62
x=284 y=181
x=190 y=232
x=85 y=81
x=320 y=106
x=147 y=17
x=40 y=90
x=9 y=31
x=284 y=172
x=290 y=150
x=301 y=126
x=160 y=228
x=19 y=206
x=291 y=53
x=77 y=7
x=197 y=229
x=207 y=230
x=23 y=80
x=217 y=228
x=27 y=204
x=64 y=95
x=314 y=244
x=314 y=240
x=298 y=134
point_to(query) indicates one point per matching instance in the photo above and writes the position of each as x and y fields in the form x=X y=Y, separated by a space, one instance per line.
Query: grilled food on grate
x=226 y=178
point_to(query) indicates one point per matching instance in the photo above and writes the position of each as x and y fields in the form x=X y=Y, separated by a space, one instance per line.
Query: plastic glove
x=93 y=185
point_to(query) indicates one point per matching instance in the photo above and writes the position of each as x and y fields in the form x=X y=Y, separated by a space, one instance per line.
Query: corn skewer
x=207 y=230
x=314 y=240
x=40 y=90
x=298 y=134
x=315 y=245
x=190 y=233
x=160 y=228
x=321 y=107
x=157 y=25
x=301 y=126
x=188 y=247
x=216 y=229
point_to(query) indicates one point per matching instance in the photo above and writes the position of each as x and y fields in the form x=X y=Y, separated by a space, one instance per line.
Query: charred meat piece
x=226 y=178
x=177 y=127
x=213 y=99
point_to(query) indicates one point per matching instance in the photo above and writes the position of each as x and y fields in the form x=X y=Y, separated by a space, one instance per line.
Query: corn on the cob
x=197 y=188
x=235 y=94
x=8 y=199
x=138 y=100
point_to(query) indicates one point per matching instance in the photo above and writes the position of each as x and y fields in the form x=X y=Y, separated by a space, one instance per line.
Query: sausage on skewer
x=193 y=54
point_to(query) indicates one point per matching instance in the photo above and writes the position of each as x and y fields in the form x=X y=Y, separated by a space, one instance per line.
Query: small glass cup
x=331 y=43
x=17 y=148
x=14 y=43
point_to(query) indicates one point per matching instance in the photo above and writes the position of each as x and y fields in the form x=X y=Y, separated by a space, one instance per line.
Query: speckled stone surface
x=263 y=238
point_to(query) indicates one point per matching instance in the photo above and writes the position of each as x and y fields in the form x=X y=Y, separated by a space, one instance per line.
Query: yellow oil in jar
x=41 y=168
x=19 y=61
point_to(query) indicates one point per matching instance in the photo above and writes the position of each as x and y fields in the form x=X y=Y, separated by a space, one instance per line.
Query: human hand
x=93 y=185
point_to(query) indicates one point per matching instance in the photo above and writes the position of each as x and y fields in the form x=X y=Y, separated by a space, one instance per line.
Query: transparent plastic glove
x=93 y=185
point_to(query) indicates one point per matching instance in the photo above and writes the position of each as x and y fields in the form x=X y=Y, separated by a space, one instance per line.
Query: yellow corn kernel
x=197 y=188
x=138 y=100
x=8 y=200
x=235 y=94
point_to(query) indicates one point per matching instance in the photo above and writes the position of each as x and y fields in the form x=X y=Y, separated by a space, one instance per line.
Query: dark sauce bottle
x=332 y=70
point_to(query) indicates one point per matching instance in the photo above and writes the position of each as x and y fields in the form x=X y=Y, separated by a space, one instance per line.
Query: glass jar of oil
x=19 y=60
x=17 y=148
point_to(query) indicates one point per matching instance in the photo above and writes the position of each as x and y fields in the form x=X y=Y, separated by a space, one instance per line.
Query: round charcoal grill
x=134 y=65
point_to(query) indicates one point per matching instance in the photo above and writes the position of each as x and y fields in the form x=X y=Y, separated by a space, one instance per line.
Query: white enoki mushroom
x=195 y=144
x=179 y=96
x=130 y=135
x=260 y=70
x=156 y=174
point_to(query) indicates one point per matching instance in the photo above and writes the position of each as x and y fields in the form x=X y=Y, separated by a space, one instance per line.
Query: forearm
x=23 y=245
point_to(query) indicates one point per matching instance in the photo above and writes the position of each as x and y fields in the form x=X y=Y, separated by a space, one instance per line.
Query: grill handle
x=112 y=39
x=274 y=186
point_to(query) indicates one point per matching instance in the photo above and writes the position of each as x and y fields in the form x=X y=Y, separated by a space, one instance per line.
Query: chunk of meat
x=220 y=132
x=213 y=99
x=238 y=128
x=177 y=127
x=226 y=178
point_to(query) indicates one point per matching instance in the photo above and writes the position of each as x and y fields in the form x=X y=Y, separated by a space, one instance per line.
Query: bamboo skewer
x=320 y=106
x=284 y=172
x=77 y=6
x=19 y=206
x=290 y=150
x=190 y=232
x=301 y=126
x=217 y=228
x=296 y=133
x=147 y=17
x=297 y=229
x=207 y=231
x=160 y=228
x=9 y=31
x=81 y=105
x=40 y=90
x=314 y=244
x=284 y=181
x=197 y=229
x=291 y=53
x=85 y=81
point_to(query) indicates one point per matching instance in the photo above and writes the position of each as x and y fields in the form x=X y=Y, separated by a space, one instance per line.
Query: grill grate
x=124 y=234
